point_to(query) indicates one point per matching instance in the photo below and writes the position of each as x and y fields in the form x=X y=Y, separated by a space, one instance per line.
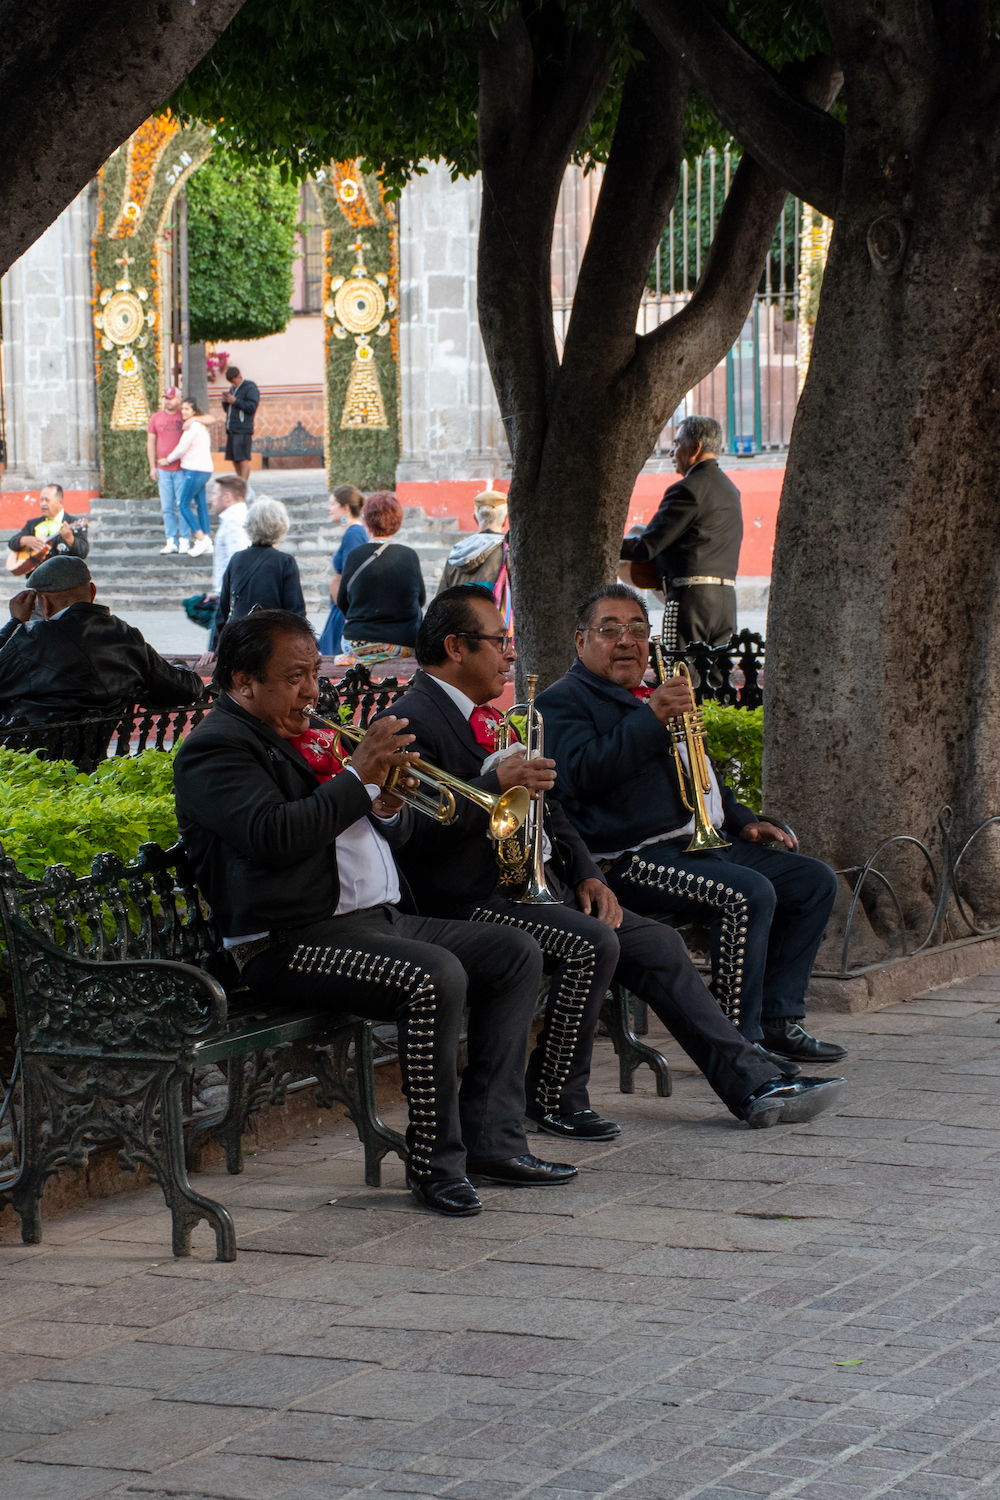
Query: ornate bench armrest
x=111 y=1008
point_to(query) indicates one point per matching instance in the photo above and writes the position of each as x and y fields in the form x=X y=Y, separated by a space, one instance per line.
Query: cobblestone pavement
x=708 y=1312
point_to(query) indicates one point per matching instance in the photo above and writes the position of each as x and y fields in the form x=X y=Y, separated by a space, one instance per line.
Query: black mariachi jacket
x=86 y=660
x=617 y=779
x=58 y=546
x=258 y=825
x=450 y=868
x=697 y=530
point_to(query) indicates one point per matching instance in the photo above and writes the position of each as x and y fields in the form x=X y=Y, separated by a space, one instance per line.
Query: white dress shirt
x=364 y=860
x=231 y=537
x=365 y=864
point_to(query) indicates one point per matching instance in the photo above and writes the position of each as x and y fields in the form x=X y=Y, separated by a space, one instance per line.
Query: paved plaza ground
x=707 y=1312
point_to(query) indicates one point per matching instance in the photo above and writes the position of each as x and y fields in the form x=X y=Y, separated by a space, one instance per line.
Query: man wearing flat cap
x=79 y=657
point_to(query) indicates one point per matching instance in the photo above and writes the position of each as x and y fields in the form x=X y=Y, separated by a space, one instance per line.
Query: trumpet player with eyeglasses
x=293 y=848
x=671 y=837
x=546 y=883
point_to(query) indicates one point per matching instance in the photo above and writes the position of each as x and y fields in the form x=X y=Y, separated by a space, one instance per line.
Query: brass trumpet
x=507 y=810
x=689 y=730
x=518 y=858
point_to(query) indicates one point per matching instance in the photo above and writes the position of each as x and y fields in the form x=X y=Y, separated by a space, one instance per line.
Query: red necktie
x=484 y=722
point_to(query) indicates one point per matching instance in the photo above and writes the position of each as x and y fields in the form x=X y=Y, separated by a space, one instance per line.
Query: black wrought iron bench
x=299 y=443
x=88 y=739
x=121 y=989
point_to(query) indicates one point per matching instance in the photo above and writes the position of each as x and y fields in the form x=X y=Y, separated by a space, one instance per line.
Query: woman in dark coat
x=260 y=574
x=382 y=588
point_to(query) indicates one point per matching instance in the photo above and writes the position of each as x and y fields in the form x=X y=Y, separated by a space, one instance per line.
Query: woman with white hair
x=260 y=575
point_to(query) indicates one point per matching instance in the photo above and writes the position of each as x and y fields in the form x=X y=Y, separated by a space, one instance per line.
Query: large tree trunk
x=581 y=430
x=881 y=702
x=77 y=77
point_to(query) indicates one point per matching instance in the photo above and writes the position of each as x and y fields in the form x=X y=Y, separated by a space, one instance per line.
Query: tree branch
x=76 y=79
x=639 y=189
x=674 y=357
x=528 y=127
x=799 y=144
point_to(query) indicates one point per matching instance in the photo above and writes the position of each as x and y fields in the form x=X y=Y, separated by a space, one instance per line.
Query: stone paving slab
x=708 y=1313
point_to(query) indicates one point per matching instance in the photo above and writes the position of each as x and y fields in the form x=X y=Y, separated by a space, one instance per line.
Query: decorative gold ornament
x=130 y=412
x=360 y=305
x=123 y=317
x=348 y=191
x=364 y=406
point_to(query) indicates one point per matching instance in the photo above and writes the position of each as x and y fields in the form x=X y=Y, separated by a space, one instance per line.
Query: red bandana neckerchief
x=317 y=747
x=484 y=722
x=642 y=692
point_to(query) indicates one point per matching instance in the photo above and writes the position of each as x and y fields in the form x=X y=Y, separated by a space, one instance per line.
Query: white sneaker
x=170 y=547
x=200 y=548
x=185 y=544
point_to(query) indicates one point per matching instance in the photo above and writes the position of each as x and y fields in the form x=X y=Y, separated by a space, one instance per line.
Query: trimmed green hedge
x=735 y=738
x=51 y=814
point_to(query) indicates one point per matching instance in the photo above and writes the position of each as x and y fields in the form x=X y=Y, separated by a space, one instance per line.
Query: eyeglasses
x=637 y=629
x=503 y=643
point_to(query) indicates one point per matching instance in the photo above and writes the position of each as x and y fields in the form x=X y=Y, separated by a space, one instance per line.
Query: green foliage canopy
x=52 y=814
x=242 y=224
x=307 y=82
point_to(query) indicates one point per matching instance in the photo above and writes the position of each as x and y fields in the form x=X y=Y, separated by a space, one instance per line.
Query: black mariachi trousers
x=583 y=956
x=766 y=911
x=421 y=972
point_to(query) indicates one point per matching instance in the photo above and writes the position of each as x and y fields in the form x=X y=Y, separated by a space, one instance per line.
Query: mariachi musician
x=587 y=938
x=766 y=908
x=53 y=533
x=301 y=881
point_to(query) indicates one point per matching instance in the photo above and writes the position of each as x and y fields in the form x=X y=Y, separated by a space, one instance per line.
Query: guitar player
x=54 y=533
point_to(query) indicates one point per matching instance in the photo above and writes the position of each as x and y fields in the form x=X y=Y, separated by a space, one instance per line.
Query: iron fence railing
x=952 y=917
x=753 y=392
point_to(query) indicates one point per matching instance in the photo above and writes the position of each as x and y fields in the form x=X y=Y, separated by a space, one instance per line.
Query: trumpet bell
x=509 y=812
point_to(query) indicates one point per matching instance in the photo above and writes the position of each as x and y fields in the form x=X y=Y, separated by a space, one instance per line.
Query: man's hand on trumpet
x=382 y=749
x=538 y=775
x=672 y=699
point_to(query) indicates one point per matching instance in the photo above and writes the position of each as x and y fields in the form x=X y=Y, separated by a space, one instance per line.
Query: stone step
x=132 y=573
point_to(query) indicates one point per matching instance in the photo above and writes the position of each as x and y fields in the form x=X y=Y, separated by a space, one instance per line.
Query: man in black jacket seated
x=304 y=889
x=767 y=909
x=587 y=939
x=79 y=658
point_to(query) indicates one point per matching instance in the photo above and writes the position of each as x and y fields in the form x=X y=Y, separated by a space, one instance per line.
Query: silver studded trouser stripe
x=726 y=900
x=578 y=960
x=394 y=974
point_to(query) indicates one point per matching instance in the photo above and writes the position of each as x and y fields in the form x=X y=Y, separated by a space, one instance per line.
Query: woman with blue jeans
x=195 y=453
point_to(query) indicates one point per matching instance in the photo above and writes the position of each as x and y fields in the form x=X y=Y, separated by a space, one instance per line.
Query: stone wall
x=48 y=359
x=451 y=428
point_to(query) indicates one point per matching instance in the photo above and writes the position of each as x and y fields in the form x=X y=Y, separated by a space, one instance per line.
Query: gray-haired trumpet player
x=766 y=908
x=290 y=848
x=587 y=938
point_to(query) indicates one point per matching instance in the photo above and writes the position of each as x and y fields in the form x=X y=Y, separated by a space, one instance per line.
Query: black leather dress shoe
x=789 y=1102
x=455 y=1197
x=522 y=1171
x=581 y=1125
x=784 y=1065
x=789 y=1038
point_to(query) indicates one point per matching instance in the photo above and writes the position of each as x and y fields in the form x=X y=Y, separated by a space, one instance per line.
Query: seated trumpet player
x=295 y=862
x=568 y=908
x=766 y=908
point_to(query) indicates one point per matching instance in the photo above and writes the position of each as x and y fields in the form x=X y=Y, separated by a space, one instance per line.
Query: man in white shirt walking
x=227 y=500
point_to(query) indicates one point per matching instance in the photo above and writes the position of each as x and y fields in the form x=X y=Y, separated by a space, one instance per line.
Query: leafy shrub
x=734 y=738
x=51 y=814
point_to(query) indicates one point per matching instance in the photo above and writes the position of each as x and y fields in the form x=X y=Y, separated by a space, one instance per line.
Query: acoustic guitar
x=26 y=561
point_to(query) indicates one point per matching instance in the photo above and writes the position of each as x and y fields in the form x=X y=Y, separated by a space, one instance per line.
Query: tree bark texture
x=77 y=77
x=581 y=429
x=881 y=701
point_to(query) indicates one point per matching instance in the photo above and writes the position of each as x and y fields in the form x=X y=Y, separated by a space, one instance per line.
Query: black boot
x=788 y=1038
